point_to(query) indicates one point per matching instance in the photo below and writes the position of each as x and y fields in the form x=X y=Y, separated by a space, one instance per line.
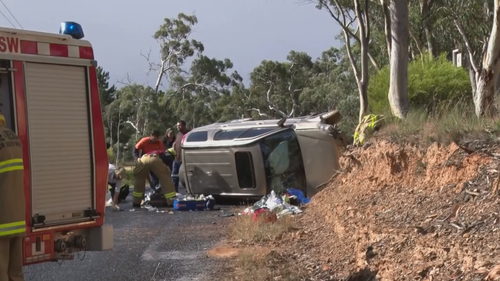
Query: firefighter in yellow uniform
x=152 y=163
x=12 y=205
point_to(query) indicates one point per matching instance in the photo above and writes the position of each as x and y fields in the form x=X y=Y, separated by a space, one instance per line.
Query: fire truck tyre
x=60 y=246
x=81 y=242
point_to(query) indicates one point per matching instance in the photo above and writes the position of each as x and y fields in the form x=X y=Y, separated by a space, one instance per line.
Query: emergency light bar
x=73 y=29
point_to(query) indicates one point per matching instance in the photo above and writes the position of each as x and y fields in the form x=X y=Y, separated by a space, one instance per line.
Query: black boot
x=136 y=206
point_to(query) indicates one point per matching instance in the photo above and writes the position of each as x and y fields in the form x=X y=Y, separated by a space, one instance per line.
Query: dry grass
x=270 y=266
x=448 y=123
x=249 y=231
x=256 y=260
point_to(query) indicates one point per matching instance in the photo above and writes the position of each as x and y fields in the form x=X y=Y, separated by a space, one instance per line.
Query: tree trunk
x=426 y=6
x=398 y=89
x=472 y=76
x=118 y=142
x=387 y=26
x=485 y=92
x=364 y=28
x=428 y=38
x=363 y=99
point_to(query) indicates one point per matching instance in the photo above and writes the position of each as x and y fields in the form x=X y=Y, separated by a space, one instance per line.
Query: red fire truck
x=50 y=97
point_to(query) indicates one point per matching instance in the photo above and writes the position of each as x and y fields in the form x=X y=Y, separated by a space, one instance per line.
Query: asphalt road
x=147 y=246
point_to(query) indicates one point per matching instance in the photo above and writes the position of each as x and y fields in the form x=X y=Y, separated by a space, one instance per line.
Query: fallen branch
x=454 y=213
x=494 y=190
x=451 y=155
x=472 y=193
x=469 y=228
x=494 y=273
x=456 y=226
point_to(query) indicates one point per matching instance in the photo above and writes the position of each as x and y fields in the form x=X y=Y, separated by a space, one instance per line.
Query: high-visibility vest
x=12 y=202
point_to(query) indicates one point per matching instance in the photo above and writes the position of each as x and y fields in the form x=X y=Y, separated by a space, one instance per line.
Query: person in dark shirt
x=168 y=139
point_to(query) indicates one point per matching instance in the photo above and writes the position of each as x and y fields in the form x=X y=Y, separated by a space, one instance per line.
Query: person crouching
x=115 y=176
x=152 y=163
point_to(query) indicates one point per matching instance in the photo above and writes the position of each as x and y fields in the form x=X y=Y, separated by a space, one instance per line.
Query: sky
x=245 y=31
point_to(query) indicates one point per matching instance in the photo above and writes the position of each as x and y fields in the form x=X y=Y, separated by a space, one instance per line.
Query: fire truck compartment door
x=60 y=142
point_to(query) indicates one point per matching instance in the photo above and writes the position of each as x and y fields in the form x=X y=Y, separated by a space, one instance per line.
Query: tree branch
x=270 y=104
x=128 y=82
x=345 y=25
x=258 y=111
x=148 y=60
x=132 y=124
x=366 y=21
x=467 y=44
x=374 y=63
x=351 y=57
x=412 y=35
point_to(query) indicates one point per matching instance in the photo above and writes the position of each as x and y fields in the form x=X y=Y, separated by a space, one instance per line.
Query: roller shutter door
x=59 y=135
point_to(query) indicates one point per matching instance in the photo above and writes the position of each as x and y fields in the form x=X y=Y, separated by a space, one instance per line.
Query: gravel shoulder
x=147 y=246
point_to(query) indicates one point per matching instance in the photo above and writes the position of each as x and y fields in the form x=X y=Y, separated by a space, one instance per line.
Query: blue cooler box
x=189 y=205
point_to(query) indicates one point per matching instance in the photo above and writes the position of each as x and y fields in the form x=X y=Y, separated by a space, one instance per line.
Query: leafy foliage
x=430 y=82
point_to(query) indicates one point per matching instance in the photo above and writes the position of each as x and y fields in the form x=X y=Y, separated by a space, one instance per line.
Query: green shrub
x=129 y=178
x=111 y=155
x=430 y=82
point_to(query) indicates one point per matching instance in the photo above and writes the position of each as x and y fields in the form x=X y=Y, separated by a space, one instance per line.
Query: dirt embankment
x=399 y=212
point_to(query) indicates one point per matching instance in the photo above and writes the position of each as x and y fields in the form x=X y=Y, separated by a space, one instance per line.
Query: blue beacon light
x=73 y=29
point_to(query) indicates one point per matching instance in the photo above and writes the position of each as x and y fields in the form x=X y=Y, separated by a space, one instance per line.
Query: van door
x=60 y=142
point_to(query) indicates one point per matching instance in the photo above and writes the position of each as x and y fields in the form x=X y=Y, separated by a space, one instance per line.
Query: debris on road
x=153 y=201
x=227 y=215
x=278 y=206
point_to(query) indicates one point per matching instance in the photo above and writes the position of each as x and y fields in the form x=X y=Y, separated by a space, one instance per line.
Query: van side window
x=255 y=132
x=228 y=134
x=6 y=95
x=294 y=174
x=197 y=136
x=241 y=133
x=244 y=169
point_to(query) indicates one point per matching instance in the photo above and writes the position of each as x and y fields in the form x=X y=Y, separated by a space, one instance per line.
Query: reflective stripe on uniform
x=12 y=228
x=137 y=194
x=11 y=165
x=170 y=195
x=174 y=175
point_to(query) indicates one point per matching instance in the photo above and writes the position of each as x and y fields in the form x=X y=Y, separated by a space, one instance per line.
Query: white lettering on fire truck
x=9 y=44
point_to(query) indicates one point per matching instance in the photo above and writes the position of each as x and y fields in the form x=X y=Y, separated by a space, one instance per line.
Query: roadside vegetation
x=246 y=230
x=399 y=66
x=256 y=258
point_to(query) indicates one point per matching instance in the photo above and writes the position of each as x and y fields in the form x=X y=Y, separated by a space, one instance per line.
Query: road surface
x=147 y=246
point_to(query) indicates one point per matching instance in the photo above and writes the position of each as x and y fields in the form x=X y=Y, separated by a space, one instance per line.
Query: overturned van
x=249 y=158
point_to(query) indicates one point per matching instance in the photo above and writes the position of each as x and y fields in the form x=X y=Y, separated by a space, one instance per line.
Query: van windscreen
x=241 y=133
